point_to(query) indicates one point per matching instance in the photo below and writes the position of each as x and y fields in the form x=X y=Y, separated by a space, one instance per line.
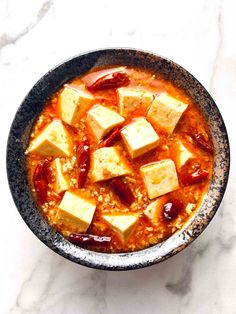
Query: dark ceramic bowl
x=32 y=106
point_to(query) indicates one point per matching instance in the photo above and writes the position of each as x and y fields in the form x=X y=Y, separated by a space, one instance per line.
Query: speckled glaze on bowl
x=32 y=106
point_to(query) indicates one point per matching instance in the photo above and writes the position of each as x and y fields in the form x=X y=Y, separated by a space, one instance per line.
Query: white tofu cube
x=61 y=184
x=165 y=112
x=73 y=102
x=155 y=209
x=101 y=120
x=122 y=224
x=160 y=177
x=139 y=137
x=131 y=98
x=183 y=155
x=75 y=212
x=52 y=141
x=108 y=163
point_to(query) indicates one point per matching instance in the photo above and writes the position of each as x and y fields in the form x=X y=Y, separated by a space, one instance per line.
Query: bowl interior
x=32 y=106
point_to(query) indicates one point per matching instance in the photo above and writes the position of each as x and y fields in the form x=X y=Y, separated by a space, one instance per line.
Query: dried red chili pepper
x=195 y=177
x=122 y=190
x=90 y=78
x=83 y=160
x=202 y=143
x=172 y=209
x=41 y=178
x=109 y=140
x=81 y=239
x=110 y=80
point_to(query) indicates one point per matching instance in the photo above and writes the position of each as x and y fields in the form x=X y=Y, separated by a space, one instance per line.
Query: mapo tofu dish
x=119 y=159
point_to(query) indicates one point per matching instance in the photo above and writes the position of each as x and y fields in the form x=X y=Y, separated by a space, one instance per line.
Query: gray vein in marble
x=202 y=249
x=228 y=245
x=93 y=288
x=96 y=290
x=27 y=286
x=218 y=50
x=6 y=39
x=182 y=285
x=45 y=298
x=99 y=278
x=132 y=31
x=17 y=304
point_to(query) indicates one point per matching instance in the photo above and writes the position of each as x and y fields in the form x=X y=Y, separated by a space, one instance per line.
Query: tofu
x=139 y=137
x=129 y=99
x=165 y=112
x=108 y=163
x=73 y=102
x=154 y=210
x=101 y=120
x=52 y=141
x=61 y=184
x=183 y=155
x=122 y=224
x=160 y=177
x=75 y=212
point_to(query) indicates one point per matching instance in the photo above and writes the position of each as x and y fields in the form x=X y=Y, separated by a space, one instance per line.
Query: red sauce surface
x=145 y=233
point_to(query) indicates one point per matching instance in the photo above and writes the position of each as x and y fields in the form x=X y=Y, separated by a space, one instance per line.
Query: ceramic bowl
x=31 y=108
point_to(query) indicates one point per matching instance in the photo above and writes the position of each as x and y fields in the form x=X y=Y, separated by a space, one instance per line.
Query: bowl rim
x=117 y=261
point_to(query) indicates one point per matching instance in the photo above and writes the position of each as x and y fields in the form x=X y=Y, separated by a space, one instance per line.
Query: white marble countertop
x=34 y=37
